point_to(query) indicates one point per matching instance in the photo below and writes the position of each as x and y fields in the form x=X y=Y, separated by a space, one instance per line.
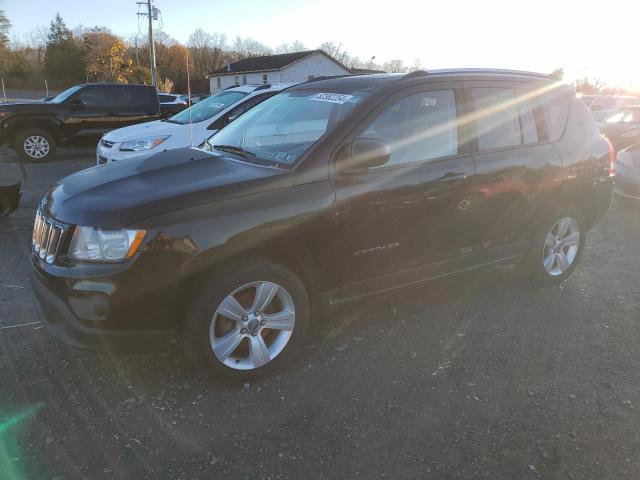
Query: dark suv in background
x=78 y=116
x=329 y=191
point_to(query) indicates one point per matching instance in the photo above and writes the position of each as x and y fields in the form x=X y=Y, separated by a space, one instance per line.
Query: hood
x=27 y=105
x=119 y=194
x=147 y=129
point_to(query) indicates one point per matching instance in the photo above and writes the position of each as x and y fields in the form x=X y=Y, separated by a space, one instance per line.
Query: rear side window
x=527 y=118
x=419 y=127
x=135 y=96
x=249 y=104
x=555 y=106
x=97 y=96
x=165 y=98
x=497 y=122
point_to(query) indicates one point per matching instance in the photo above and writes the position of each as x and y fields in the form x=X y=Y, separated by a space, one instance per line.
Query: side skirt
x=444 y=268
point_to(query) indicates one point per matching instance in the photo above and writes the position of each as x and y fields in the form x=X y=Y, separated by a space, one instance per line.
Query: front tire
x=247 y=320
x=556 y=246
x=35 y=145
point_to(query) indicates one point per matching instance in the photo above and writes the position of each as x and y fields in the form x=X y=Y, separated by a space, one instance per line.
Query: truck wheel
x=35 y=145
x=556 y=246
x=247 y=320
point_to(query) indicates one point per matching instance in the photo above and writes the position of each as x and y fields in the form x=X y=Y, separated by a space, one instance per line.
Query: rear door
x=515 y=165
x=397 y=218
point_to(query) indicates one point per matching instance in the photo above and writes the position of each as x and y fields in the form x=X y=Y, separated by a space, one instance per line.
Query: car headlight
x=101 y=244
x=142 y=144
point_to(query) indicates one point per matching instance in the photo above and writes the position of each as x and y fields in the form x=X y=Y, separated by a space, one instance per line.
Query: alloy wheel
x=561 y=246
x=252 y=325
x=36 y=146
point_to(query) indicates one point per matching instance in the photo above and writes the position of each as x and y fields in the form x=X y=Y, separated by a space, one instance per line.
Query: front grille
x=47 y=237
x=107 y=143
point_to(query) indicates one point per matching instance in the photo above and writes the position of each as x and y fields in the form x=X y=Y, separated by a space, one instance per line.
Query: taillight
x=612 y=157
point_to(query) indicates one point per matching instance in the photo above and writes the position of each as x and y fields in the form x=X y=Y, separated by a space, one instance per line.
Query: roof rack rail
x=503 y=71
x=264 y=86
x=416 y=74
x=326 y=77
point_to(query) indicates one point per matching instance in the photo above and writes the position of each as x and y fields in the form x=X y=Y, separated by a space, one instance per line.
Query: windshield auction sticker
x=338 y=98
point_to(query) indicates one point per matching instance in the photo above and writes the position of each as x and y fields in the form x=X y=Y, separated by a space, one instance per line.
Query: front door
x=397 y=218
x=95 y=115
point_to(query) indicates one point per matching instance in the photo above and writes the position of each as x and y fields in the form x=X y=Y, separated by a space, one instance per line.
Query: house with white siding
x=284 y=68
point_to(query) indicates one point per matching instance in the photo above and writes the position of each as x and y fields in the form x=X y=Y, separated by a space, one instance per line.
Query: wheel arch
x=18 y=126
x=294 y=256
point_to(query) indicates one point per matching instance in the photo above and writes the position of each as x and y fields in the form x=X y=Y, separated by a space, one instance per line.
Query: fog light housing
x=93 y=307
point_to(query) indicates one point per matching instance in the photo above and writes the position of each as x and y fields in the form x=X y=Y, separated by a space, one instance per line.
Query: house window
x=264 y=78
x=244 y=79
x=237 y=80
x=219 y=83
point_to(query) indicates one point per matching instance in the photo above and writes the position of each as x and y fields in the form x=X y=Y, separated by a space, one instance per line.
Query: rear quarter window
x=555 y=106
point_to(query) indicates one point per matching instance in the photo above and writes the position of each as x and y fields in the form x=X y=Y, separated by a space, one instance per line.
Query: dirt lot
x=481 y=376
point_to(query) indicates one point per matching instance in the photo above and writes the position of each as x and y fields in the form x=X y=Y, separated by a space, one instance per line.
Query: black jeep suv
x=79 y=116
x=329 y=191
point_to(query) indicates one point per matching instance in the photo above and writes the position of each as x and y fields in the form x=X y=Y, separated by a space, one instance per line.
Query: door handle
x=452 y=178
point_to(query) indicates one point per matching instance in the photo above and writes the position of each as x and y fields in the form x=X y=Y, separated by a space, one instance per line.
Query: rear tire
x=35 y=145
x=227 y=329
x=556 y=246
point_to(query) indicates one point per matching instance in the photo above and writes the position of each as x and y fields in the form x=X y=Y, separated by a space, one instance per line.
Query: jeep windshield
x=281 y=129
x=207 y=108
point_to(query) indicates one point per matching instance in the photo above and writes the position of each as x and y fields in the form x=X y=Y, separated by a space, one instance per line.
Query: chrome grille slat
x=47 y=237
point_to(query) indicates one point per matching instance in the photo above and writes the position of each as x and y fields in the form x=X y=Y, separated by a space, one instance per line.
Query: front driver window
x=418 y=127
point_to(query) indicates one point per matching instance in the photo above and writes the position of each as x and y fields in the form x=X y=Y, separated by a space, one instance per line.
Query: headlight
x=142 y=144
x=98 y=244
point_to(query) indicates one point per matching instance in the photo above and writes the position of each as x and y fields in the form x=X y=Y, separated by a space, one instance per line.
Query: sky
x=584 y=38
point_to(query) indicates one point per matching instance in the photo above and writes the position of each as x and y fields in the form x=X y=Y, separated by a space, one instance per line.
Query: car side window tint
x=497 y=117
x=555 y=105
x=133 y=96
x=250 y=103
x=165 y=98
x=527 y=117
x=419 y=127
x=97 y=96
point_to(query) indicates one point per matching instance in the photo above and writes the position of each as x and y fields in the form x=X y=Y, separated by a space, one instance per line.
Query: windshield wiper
x=237 y=150
x=168 y=120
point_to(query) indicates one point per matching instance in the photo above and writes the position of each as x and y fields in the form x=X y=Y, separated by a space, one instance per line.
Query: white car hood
x=148 y=129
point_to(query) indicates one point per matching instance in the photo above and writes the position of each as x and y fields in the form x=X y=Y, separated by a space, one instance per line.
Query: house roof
x=266 y=63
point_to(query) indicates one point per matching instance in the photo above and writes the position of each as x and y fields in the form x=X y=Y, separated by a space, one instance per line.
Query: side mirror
x=78 y=104
x=365 y=153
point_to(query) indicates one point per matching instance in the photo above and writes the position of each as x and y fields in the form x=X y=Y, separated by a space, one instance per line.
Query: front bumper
x=53 y=295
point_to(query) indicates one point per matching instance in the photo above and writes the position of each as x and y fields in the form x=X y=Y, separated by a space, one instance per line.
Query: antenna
x=189 y=102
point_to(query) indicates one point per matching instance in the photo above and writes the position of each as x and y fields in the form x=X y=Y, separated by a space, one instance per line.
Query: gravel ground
x=479 y=376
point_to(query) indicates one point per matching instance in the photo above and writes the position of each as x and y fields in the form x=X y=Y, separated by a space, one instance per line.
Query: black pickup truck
x=78 y=116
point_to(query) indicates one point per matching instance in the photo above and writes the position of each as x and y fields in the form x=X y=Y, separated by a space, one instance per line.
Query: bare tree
x=296 y=46
x=394 y=66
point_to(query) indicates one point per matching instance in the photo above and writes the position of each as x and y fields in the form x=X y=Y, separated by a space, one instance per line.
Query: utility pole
x=151 y=14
